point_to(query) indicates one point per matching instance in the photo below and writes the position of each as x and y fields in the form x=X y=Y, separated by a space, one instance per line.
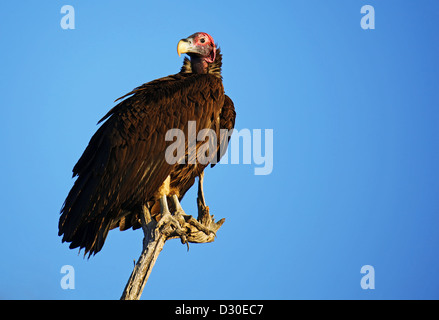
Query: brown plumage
x=124 y=165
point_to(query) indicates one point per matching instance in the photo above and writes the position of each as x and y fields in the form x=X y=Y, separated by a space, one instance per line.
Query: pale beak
x=183 y=46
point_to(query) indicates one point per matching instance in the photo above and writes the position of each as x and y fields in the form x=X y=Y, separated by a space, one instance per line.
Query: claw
x=168 y=219
x=188 y=218
x=186 y=227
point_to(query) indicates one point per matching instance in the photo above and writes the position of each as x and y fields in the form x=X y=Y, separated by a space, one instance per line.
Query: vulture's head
x=200 y=47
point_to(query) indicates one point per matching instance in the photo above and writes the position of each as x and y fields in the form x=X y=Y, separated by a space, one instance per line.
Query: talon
x=168 y=219
x=179 y=213
x=201 y=227
x=186 y=227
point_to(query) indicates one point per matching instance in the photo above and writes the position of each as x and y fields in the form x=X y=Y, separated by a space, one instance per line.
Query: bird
x=125 y=167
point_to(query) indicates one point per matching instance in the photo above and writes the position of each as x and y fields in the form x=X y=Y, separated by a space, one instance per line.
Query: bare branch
x=153 y=243
x=201 y=230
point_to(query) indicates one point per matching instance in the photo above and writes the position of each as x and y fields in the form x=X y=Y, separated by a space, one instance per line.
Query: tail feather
x=79 y=224
x=90 y=237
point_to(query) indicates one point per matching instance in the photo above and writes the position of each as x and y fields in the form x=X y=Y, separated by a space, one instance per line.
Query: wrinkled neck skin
x=198 y=65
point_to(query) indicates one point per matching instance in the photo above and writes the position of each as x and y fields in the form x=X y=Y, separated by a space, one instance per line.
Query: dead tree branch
x=201 y=230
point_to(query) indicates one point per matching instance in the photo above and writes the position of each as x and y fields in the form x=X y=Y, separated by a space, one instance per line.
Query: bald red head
x=200 y=44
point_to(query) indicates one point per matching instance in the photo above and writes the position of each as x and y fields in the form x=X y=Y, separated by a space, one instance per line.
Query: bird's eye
x=202 y=40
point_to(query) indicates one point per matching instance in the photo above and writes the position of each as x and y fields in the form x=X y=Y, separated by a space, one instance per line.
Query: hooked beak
x=184 y=46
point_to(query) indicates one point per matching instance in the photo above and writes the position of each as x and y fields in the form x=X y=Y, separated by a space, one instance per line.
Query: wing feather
x=124 y=163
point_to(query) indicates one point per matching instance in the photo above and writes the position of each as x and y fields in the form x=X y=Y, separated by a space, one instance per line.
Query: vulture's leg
x=182 y=216
x=204 y=217
x=167 y=220
x=200 y=188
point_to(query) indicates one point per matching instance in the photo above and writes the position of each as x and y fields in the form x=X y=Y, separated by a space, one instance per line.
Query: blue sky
x=355 y=117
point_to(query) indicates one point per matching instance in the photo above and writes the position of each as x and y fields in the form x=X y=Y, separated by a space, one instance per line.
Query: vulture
x=125 y=165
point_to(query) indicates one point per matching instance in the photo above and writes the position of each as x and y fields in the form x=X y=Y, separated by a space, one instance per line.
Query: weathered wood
x=202 y=230
x=153 y=243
